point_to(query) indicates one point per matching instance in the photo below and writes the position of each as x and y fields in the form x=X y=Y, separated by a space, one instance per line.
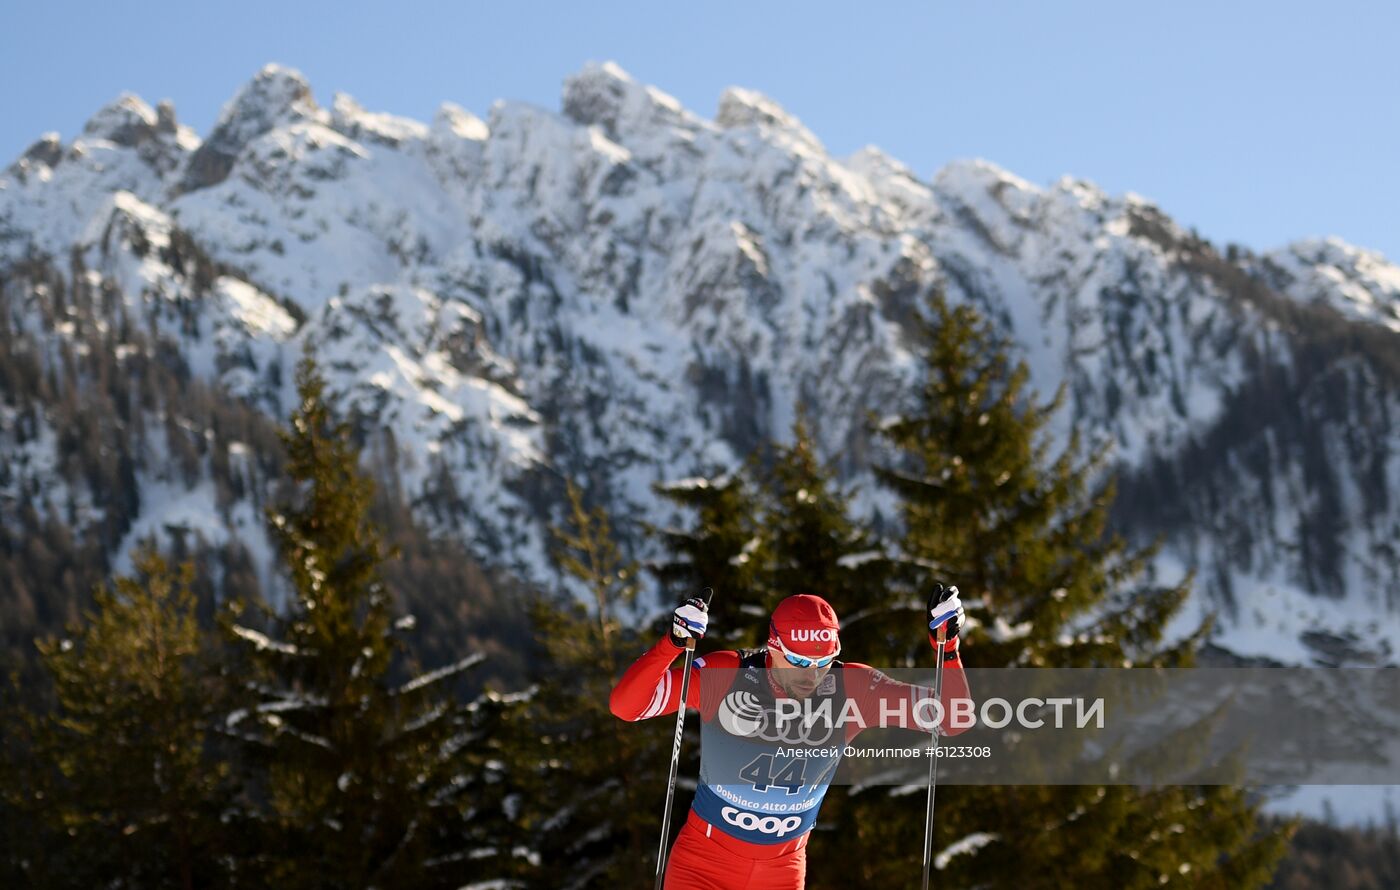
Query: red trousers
x=699 y=862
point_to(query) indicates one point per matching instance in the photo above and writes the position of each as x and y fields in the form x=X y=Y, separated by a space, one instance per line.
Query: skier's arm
x=651 y=687
x=886 y=702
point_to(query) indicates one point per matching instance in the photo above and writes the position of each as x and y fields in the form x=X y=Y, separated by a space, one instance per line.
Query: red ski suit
x=713 y=854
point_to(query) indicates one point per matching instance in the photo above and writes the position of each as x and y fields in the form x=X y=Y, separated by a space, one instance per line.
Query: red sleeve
x=651 y=687
x=886 y=702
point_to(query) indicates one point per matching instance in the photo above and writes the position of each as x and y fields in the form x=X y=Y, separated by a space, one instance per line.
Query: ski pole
x=676 y=748
x=933 y=758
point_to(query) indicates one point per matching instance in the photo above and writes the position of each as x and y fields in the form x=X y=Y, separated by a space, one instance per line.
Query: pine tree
x=985 y=502
x=24 y=855
x=810 y=543
x=361 y=782
x=715 y=551
x=775 y=528
x=601 y=782
x=125 y=786
x=1022 y=531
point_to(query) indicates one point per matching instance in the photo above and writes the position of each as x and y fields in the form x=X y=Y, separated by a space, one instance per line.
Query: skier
x=754 y=836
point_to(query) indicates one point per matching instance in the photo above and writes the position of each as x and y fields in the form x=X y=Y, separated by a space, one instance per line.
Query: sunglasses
x=802 y=661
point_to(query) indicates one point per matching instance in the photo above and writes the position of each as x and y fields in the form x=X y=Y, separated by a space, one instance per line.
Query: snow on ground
x=1271 y=621
x=170 y=506
x=970 y=844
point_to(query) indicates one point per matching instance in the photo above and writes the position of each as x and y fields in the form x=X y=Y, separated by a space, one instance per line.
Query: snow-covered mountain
x=623 y=292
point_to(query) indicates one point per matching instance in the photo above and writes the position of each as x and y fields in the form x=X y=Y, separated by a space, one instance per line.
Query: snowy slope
x=1358 y=283
x=624 y=291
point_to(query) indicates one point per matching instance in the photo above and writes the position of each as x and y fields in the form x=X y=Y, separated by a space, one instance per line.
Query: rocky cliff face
x=625 y=292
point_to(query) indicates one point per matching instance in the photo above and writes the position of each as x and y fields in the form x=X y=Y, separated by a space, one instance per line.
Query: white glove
x=689 y=620
x=944 y=607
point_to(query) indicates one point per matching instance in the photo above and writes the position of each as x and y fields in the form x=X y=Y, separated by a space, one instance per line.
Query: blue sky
x=1253 y=122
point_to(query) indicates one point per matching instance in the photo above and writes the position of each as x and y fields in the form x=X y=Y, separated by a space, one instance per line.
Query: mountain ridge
x=623 y=292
